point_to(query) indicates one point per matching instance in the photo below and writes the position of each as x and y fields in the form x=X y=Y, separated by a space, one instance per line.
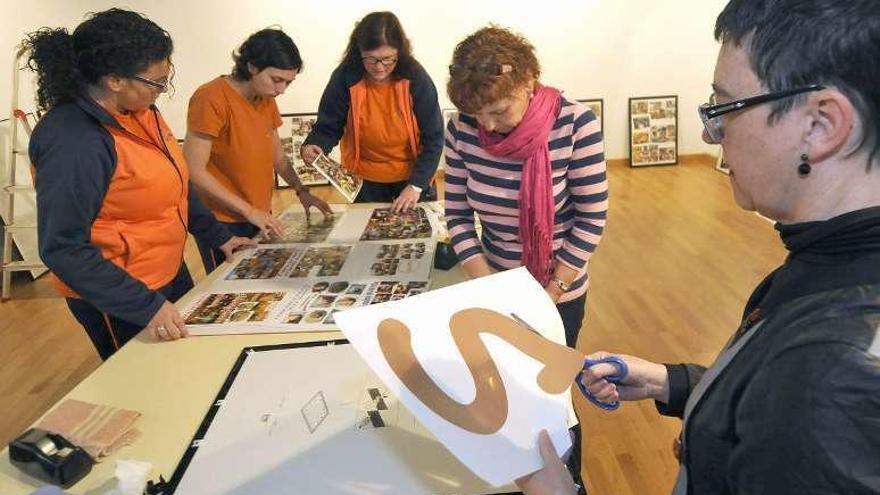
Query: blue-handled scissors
x=616 y=378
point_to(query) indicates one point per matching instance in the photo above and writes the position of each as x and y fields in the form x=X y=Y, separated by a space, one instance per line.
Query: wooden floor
x=669 y=280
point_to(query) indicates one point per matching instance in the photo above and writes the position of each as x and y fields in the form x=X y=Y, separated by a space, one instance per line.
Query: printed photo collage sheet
x=299 y=128
x=299 y=282
x=324 y=170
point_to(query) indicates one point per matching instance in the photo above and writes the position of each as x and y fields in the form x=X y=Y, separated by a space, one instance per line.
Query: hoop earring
x=804 y=168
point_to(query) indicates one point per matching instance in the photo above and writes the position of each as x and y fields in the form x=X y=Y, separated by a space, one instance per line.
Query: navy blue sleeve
x=332 y=113
x=430 y=121
x=74 y=170
x=202 y=222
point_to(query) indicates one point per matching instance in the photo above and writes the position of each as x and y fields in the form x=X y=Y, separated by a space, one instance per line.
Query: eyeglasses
x=161 y=86
x=386 y=61
x=485 y=69
x=711 y=112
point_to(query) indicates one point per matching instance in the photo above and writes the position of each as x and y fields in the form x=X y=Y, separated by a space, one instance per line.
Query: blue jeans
x=572 y=314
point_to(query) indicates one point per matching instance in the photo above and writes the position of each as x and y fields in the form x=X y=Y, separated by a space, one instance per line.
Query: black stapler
x=49 y=457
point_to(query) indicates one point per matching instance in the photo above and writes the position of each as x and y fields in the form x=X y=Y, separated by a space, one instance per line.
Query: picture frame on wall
x=597 y=105
x=295 y=127
x=653 y=130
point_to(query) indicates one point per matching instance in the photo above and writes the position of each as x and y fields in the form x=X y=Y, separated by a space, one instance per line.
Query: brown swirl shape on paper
x=488 y=411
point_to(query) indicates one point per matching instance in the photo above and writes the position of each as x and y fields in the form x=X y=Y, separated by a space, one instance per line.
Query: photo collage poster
x=293 y=132
x=358 y=257
x=347 y=183
x=653 y=130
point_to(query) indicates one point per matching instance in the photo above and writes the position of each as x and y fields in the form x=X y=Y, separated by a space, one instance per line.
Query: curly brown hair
x=490 y=65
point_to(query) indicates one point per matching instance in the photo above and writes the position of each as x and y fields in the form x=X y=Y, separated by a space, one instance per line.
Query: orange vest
x=142 y=225
x=350 y=145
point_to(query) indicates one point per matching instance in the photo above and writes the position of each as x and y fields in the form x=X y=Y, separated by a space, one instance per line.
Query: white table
x=172 y=384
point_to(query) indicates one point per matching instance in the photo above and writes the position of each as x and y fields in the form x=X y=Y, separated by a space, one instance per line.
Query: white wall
x=588 y=48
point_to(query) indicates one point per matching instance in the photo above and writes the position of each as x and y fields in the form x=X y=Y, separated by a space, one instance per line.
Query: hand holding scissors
x=616 y=379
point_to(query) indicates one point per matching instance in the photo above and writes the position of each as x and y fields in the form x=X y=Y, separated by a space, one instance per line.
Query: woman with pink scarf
x=531 y=164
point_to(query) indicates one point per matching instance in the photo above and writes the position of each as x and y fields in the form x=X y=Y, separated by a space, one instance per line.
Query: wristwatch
x=417 y=188
x=561 y=284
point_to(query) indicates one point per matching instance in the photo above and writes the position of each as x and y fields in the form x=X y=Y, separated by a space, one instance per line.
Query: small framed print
x=598 y=108
x=653 y=130
x=295 y=127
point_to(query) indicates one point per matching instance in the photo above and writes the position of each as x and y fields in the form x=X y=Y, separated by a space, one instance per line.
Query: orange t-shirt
x=242 y=149
x=384 y=141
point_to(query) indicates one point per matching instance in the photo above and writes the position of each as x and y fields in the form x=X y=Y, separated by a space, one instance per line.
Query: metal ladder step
x=22 y=266
x=19 y=188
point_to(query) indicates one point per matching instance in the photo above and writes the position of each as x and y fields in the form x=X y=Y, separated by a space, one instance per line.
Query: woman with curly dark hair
x=383 y=105
x=113 y=196
x=232 y=143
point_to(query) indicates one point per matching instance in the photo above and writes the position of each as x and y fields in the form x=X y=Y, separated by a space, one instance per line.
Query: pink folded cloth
x=99 y=430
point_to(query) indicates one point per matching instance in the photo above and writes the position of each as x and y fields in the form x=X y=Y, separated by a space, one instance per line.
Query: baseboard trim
x=690 y=159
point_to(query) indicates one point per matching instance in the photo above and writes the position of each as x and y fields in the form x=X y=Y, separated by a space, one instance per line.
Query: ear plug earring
x=804 y=168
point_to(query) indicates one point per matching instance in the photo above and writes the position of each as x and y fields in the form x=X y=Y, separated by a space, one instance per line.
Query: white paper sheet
x=510 y=452
x=317 y=421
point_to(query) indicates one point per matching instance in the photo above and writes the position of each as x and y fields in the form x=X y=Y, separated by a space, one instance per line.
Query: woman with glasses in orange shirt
x=382 y=105
x=114 y=203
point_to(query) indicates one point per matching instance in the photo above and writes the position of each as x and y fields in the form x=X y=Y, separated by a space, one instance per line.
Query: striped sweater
x=477 y=182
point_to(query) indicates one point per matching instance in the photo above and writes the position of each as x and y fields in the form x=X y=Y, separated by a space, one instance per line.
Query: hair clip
x=486 y=69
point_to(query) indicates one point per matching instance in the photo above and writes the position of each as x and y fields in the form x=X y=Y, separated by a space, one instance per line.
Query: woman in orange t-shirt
x=380 y=105
x=232 y=144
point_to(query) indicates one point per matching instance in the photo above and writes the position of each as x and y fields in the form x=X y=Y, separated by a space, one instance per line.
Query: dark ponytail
x=53 y=59
x=113 y=42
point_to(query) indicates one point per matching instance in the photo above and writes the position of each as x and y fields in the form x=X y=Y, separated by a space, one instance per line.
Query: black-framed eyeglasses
x=161 y=86
x=386 y=61
x=484 y=69
x=711 y=112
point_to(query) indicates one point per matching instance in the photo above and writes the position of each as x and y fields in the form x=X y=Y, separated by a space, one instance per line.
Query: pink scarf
x=529 y=142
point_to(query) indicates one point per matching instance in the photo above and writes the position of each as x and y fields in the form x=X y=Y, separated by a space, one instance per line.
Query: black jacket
x=336 y=101
x=75 y=158
x=797 y=410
